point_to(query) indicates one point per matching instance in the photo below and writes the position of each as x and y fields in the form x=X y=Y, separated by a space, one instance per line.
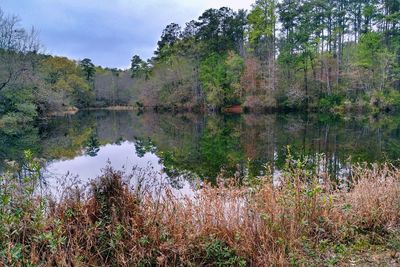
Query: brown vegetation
x=113 y=108
x=300 y=221
x=68 y=111
x=236 y=109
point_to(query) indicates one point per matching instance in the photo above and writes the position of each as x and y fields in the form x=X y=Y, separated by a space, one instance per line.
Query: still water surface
x=188 y=146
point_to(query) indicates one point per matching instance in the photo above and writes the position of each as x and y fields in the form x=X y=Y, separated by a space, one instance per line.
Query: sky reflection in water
x=185 y=146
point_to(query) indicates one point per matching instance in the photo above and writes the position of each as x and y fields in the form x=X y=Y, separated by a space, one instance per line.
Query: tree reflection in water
x=197 y=145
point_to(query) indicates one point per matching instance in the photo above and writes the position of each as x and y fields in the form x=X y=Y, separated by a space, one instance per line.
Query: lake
x=187 y=146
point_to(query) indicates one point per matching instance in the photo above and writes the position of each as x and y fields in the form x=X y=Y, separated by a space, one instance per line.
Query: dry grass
x=375 y=199
x=226 y=225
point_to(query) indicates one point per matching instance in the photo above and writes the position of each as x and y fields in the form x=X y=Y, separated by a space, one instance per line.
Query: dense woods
x=280 y=55
x=301 y=54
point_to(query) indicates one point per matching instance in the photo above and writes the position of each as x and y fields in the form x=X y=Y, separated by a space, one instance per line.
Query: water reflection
x=121 y=156
x=195 y=145
x=92 y=145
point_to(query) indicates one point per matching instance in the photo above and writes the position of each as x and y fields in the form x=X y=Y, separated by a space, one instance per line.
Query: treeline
x=33 y=84
x=281 y=55
x=289 y=54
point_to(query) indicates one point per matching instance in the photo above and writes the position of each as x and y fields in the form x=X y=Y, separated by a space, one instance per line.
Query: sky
x=109 y=32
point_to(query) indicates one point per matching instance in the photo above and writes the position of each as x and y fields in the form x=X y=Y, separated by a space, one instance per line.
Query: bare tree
x=16 y=46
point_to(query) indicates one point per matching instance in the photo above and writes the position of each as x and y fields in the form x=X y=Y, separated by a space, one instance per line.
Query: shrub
x=328 y=102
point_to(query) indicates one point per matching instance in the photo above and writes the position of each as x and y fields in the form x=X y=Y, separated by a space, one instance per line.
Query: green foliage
x=92 y=145
x=17 y=105
x=318 y=53
x=262 y=21
x=88 y=69
x=385 y=100
x=144 y=146
x=213 y=78
x=82 y=95
x=33 y=84
x=328 y=102
x=221 y=30
x=139 y=67
x=20 y=212
x=65 y=77
x=393 y=99
x=220 y=79
x=368 y=49
x=169 y=37
x=234 y=70
x=55 y=84
x=227 y=57
x=219 y=254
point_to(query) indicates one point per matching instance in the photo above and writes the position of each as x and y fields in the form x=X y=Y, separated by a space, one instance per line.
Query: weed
x=297 y=222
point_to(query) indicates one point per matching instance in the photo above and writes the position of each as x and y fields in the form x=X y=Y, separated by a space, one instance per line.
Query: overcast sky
x=109 y=32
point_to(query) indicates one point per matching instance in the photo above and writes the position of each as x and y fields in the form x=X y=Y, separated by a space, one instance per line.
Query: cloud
x=108 y=32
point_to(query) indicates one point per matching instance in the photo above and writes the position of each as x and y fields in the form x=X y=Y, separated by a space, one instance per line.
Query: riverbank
x=238 y=109
x=304 y=220
x=68 y=111
x=116 y=108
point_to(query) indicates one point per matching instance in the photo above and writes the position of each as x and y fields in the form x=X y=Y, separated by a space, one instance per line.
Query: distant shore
x=112 y=108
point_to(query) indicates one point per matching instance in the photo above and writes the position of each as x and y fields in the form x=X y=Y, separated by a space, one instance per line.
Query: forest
x=308 y=55
x=305 y=54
